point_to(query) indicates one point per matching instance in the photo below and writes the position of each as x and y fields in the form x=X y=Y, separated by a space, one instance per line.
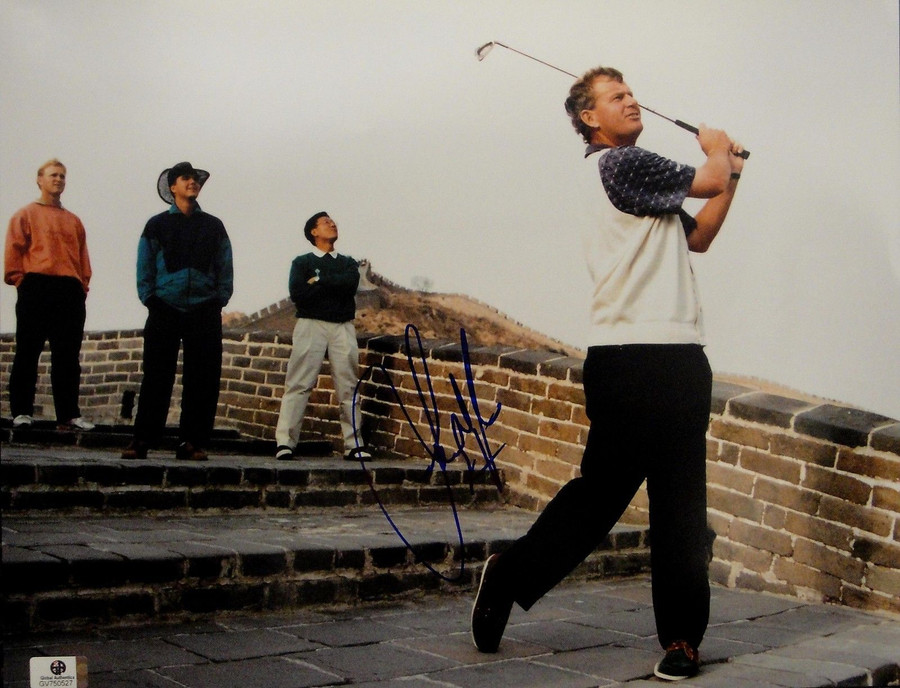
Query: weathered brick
x=776 y=467
x=493 y=377
x=807 y=577
x=819 y=530
x=518 y=420
x=538 y=445
x=579 y=417
x=549 y=408
x=774 y=517
x=729 y=453
x=560 y=432
x=884 y=580
x=748 y=580
x=855 y=516
x=761 y=538
x=566 y=392
x=886 y=498
x=746 y=557
x=735 y=503
x=25 y=570
x=70 y=608
x=804 y=448
x=868 y=599
x=739 y=434
x=837 y=484
x=230 y=597
x=571 y=453
x=789 y=496
x=838 y=564
x=555 y=471
x=541 y=484
x=872 y=465
x=211 y=498
x=514 y=400
x=720 y=523
x=879 y=553
x=730 y=477
x=529 y=385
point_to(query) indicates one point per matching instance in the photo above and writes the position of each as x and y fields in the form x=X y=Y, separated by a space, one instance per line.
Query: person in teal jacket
x=184 y=278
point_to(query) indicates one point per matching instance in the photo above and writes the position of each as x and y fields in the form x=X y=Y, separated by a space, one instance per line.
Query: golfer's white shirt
x=644 y=287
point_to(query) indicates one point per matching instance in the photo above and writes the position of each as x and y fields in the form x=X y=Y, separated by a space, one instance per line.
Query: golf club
x=483 y=51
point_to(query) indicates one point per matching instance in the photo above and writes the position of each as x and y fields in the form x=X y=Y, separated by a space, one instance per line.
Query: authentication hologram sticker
x=58 y=672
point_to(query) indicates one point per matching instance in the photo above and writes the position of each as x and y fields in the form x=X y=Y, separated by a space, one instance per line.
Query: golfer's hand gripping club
x=483 y=51
x=694 y=130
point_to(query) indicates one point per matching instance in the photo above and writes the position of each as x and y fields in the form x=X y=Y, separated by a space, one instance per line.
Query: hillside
x=386 y=308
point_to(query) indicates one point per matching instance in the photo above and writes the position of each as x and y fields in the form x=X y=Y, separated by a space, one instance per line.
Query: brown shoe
x=136 y=450
x=188 y=452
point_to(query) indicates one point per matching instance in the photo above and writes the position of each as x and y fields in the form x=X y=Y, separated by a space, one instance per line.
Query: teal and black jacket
x=185 y=260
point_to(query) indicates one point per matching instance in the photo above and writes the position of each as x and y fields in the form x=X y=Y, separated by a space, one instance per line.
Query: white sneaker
x=81 y=423
x=23 y=421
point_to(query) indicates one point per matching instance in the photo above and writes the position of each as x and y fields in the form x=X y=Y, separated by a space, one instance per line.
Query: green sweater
x=332 y=297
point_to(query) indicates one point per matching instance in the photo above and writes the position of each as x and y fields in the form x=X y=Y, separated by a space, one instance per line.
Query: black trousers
x=649 y=410
x=200 y=333
x=48 y=308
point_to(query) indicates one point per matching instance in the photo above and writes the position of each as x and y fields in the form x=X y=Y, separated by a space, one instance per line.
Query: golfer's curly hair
x=581 y=97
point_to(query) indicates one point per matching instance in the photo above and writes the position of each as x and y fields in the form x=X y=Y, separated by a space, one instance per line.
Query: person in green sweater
x=322 y=285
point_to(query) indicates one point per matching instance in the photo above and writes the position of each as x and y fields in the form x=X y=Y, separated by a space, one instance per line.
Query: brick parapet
x=804 y=496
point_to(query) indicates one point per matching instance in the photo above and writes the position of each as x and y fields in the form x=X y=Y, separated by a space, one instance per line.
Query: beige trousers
x=313 y=339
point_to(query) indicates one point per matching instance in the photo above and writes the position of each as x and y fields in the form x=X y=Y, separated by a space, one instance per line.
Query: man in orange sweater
x=47 y=261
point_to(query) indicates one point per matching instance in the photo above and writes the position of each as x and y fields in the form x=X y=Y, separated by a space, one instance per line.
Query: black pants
x=48 y=308
x=649 y=410
x=200 y=332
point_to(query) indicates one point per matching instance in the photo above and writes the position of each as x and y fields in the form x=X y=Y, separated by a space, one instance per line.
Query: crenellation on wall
x=842 y=425
x=524 y=361
x=804 y=497
x=813 y=499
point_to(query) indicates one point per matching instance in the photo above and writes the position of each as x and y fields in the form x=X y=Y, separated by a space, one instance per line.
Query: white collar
x=321 y=254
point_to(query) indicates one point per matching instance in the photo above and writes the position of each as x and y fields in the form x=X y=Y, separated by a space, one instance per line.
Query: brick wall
x=804 y=497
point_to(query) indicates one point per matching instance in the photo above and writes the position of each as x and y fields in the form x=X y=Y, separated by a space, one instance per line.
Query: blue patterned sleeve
x=640 y=183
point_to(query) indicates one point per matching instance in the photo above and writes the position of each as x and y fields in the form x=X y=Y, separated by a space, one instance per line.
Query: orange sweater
x=47 y=240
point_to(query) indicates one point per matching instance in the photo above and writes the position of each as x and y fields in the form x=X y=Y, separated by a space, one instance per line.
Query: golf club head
x=483 y=51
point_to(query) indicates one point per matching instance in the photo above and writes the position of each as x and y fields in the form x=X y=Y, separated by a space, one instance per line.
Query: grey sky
x=436 y=165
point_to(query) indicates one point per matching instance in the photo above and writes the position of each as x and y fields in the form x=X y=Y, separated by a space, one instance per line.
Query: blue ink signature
x=464 y=425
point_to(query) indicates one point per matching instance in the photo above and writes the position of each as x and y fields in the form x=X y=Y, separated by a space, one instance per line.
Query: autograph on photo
x=466 y=423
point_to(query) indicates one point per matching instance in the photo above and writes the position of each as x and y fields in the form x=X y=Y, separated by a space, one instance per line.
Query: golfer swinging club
x=647 y=381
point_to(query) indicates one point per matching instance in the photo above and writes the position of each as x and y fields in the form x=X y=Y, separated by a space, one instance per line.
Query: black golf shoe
x=681 y=661
x=491 y=609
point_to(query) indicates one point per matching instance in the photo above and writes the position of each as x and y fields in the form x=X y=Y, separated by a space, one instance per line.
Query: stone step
x=81 y=480
x=64 y=572
x=46 y=433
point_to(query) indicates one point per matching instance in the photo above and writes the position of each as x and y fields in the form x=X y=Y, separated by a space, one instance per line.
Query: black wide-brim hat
x=170 y=174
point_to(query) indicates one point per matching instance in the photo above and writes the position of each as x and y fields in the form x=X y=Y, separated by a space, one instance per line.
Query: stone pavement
x=586 y=633
x=582 y=635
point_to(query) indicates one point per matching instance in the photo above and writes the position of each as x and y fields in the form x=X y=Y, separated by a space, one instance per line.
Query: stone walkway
x=585 y=634
x=582 y=635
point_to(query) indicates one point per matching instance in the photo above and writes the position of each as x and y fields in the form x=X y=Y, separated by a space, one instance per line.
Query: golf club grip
x=694 y=130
